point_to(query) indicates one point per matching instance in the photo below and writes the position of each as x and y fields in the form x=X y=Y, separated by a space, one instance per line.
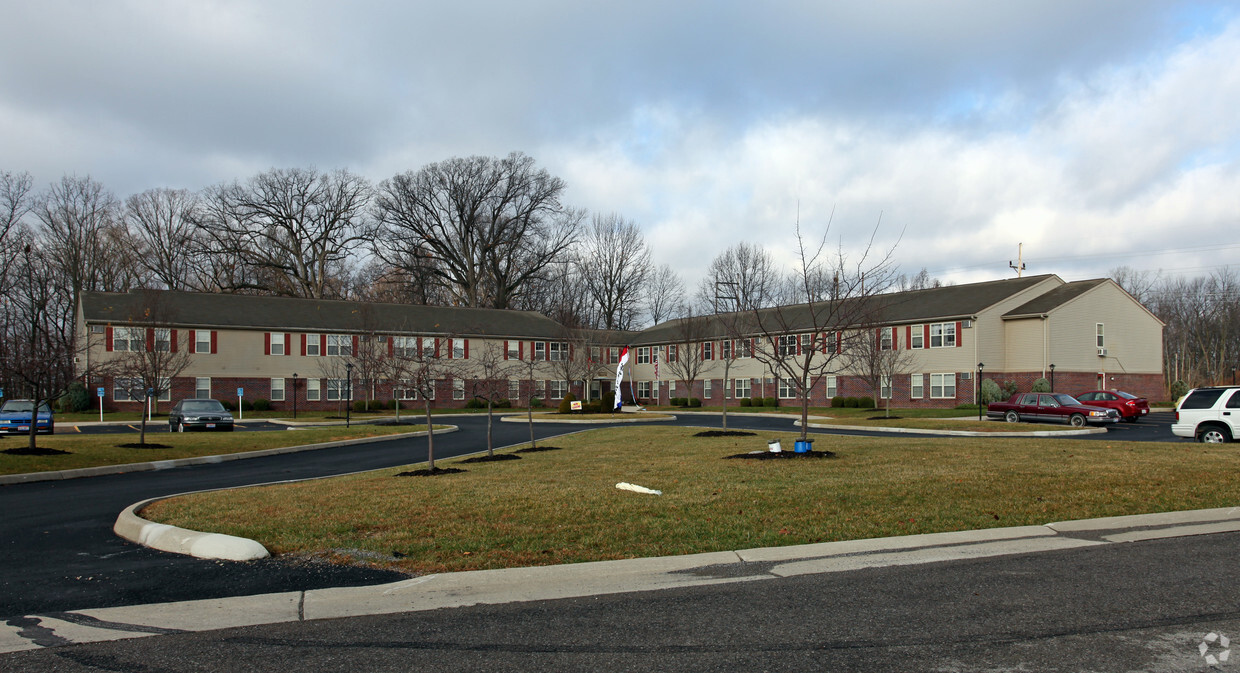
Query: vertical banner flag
x=657 y=351
x=624 y=358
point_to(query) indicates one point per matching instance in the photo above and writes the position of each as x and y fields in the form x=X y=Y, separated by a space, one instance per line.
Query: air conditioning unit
x=1102 y=352
x=965 y=376
x=966 y=324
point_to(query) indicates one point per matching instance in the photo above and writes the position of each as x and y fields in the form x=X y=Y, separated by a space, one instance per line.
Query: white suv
x=1209 y=414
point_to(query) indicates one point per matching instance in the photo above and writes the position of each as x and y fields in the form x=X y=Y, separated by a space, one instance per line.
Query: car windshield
x=1127 y=396
x=24 y=406
x=202 y=406
x=1065 y=400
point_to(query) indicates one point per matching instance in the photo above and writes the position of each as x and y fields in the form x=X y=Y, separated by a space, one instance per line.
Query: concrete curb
x=957 y=433
x=601 y=421
x=598 y=578
x=167 y=538
x=150 y=466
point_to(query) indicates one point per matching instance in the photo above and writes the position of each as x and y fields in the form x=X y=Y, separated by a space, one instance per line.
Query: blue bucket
x=804 y=446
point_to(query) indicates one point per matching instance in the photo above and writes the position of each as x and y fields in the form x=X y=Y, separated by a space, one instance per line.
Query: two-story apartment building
x=1085 y=334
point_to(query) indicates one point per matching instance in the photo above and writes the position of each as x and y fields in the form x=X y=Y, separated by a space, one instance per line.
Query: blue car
x=15 y=418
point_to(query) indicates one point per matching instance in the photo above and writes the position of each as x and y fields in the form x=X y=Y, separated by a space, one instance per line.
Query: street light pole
x=1052 y=368
x=979 y=390
x=294 y=395
x=348 y=405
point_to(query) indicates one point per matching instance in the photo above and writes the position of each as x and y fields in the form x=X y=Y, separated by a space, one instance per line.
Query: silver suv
x=1209 y=414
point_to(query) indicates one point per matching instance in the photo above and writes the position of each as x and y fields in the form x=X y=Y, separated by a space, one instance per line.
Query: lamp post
x=294 y=395
x=979 y=390
x=1052 y=368
x=348 y=404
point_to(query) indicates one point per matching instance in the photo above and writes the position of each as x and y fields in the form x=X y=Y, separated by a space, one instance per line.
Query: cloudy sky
x=1097 y=134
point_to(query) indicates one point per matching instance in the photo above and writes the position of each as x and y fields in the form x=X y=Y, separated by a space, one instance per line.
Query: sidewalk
x=593 y=579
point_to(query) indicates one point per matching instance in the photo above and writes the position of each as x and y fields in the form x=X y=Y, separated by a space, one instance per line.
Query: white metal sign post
x=99 y=392
x=240 y=413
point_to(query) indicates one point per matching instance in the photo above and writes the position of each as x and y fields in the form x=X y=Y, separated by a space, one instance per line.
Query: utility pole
x=1019 y=266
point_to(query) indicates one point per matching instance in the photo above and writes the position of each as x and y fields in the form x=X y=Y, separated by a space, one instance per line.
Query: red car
x=1129 y=406
x=1050 y=408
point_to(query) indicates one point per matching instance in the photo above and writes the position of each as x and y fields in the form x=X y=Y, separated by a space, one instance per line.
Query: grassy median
x=562 y=506
x=68 y=451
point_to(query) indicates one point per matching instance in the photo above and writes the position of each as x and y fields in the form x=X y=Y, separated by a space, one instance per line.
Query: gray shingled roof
x=940 y=303
x=222 y=311
x=1054 y=299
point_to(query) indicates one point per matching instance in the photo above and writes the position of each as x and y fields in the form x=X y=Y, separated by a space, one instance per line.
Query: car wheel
x=1214 y=435
x=1011 y=417
x=180 y=427
x=1077 y=421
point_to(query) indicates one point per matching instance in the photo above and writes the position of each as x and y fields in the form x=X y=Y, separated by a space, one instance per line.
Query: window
x=943 y=335
x=831 y=387
x=277 y=390
x=707 y=393
x=708 y=350
x=558 y=389
x=131 y=339
x=885 y=338
x=428 y=348
x=615 y=355
x=917 y=337
x=458 y=389
x=596 y=354
x=746 y=348
x=338 y=389
x=538 y=389
x=557 y=351
x=787 y=345
x=121 y=388
x=725 y=349
x=942 y=386
x=339 y=344
x=163 y=340
x=643 y=355
x=405 y=347
x=514 y=350
x=133 y=390
x=672 y=352
x=312 y=390
x=1101 y=336
x=787 y=388
x=277 y=344
x=406 y=391
x=202 y=341
x=540 y=350
x=458 y=350
x=202 y=387
x=884 y=388
x=514 y=389
x=917 y=389
x=313 y=343
x=643 y=387
x=740 y=388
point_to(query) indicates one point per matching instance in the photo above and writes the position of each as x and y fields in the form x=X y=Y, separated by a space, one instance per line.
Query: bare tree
x=664 y=295
x=556 y=293
x=146 y=372
x=162 y=222
x=490 y=383
x=423 y=367
x=15 y=203
x=922 y=280
x=77 y=216
x=686 y=356
x=293 y=228
x=876 y=355
x=532 y=369
x=1140 y=284
x=741 y=278
x=613 y=265
x=486 y=225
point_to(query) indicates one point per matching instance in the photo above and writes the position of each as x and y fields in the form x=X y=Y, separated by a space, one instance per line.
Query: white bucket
x=774 y=446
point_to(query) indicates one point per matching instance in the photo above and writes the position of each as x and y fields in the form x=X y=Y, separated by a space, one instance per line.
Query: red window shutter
x=150 y=339
x=959 y=341
x=436 y=346
x=322 y=344
x=798 y=344
x=107 y=339
x=878 y=338
x=193 y=341
x=354 y=351
x=925 y=339
x=520 y=350
x=214 y=346
x=839 y=342
x=173 y=334
x=288 y=344
x=467 y=349
x=505 y=349
x=266 y=343
x=908 y=337
x=391 y=346
x=449 y=349
x=303 y=345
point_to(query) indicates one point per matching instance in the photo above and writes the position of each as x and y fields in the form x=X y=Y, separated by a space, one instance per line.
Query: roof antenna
x=1019 y=266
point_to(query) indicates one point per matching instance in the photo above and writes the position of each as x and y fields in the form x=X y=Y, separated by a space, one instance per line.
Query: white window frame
x=643 y=355
x=202 y=341
x=786 y=345
x=917 y=337
x=940 y=383
x=557 y=351
x=615 y=354
x=201 y=391
x=739 y=385
x=406 y=391
x=917 y=386
x=708 y=350
x=458 y=389
x=163 y=339
x=314 y=343
x=339 y=345
x=277 y=342
x=556 y=389
x=514 y=350
x=884 y=387
x=886 y=339
x=125 y=335
x=1100 y=331
x=945 y=333
x=596 y=354
x=404 y=347
x=514 y=389
x=277 y=390
x=428 y=349
x=832 y=386
x=314 y=390
x=540 y=351
x=458 y=349
x=707 y=393
x=339 y=390
x=787 y=388
x=643 y=390
x=725 y=349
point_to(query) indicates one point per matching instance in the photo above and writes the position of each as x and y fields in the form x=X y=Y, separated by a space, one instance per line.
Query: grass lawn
x=97 y=450
x=562 y=506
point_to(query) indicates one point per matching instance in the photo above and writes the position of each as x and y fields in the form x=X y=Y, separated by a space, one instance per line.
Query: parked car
x=199 y=414
x=1050 y=408
x=1208 y=414
x=1130 y=407
x=15 y=418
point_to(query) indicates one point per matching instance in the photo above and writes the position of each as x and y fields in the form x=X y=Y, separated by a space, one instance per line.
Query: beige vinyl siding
x=1024 y=346
x=1133 y=336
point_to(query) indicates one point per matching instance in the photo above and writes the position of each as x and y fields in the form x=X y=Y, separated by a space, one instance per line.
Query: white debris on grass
x=626 y=486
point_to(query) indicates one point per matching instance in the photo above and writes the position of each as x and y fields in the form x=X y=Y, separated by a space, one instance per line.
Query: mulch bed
x=883 y=418
x=430 y=473
x=724 y=433
x=783 y=455
x=536 y=449
x=491 y=459
x=138 y=445
x=36 y=451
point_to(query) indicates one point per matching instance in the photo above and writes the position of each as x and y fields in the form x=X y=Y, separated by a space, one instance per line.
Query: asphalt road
x=1145 y=606
x=58 y=552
